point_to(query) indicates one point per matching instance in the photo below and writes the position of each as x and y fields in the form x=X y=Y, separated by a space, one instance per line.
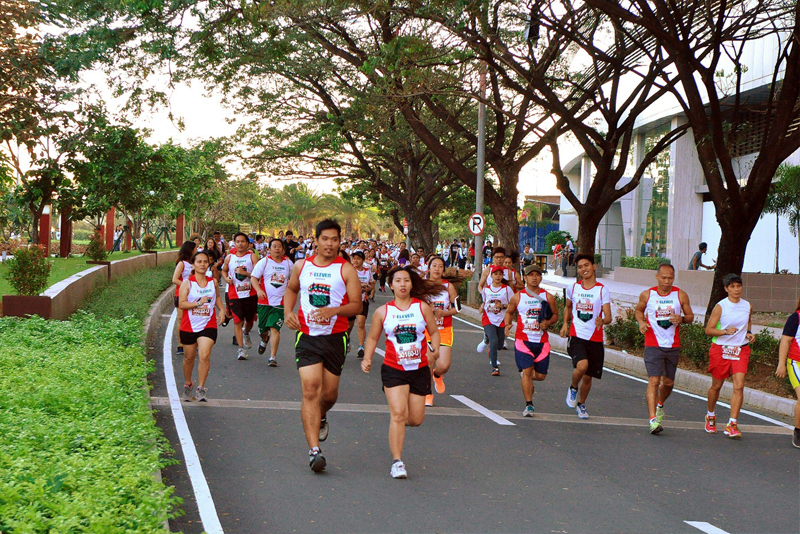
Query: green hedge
x=646 y=262
x=131 y=296
x=78 y=444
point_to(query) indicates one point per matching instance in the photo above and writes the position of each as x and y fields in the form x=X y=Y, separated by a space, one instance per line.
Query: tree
x=705 y=44
x=784 y=200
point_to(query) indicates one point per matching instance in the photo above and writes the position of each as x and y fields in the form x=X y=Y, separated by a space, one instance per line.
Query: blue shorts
x=536 y=355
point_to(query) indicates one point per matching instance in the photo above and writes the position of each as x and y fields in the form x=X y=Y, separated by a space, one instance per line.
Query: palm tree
x=784 y=199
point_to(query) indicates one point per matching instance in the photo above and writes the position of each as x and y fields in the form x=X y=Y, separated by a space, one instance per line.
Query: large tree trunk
x=736 y=233
x=420 y=230
x=588 y=222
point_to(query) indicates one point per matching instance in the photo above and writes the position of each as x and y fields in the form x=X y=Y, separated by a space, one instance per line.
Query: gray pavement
x=551 y=473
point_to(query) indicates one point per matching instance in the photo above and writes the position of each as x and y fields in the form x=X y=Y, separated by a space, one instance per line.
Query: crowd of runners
x=257 y=282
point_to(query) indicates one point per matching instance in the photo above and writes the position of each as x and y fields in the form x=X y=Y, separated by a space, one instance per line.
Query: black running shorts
x=190 y=338
x=365 y=310
x=244 y=310
x=329 y=350
x=419 y=381
x=593 y=351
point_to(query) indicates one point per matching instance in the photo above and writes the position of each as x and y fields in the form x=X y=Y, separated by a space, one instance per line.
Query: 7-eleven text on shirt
x=587 y=305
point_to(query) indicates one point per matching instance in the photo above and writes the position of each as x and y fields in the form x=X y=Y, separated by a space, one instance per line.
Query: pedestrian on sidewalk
x=660 y=312
x=789 y=364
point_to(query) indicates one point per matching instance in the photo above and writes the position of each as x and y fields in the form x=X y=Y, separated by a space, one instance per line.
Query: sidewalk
x=627 y=295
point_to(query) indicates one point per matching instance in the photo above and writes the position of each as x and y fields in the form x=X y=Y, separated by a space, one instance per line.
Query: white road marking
x=202 y=493
x=676 y=390
x=708 y=528
x=483 y=411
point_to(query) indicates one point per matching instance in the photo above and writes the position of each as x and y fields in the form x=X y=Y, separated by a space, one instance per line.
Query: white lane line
x=708 y=528
x=205 y=504
x=483 y=411
x=676 y=390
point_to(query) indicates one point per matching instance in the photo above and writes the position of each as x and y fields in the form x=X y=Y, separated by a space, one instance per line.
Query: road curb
x=150 y=324
x=686 y=380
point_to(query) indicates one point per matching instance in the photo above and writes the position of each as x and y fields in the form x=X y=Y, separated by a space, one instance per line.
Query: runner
x=367 y=284
x=372 y=263
x=730 y=353
x=495 y=297
x=405 y=373
x=183 y=267
x=537 y=311
x=658 y=313
x=588 y=309
x=202 y=305
x=329 y=293
x=445 y=305
x=242 y=299
x=215 y=257
x=498 y=258
x=789 y=363
x=514 y=281
x=385 y=262
x=270 y=277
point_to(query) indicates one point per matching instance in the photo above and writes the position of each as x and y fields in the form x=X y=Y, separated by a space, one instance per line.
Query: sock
x=573 y=388
x=660 y=405
x=711 y=414
x=581 y=404
x=437 y=375
x=529 y=403
x=653 y=419
x=313 y=450
x=732 y=420
x=397 y=460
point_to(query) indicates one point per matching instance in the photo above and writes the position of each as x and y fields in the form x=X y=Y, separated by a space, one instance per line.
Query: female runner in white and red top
x=405 y=374
x=270 y=278
x=203 y=307
x=183 y=267
x=445 y=305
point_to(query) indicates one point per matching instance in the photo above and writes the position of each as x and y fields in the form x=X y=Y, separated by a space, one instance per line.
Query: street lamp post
x=472 y=288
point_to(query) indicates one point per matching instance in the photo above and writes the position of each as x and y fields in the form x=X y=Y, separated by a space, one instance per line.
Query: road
x=467 y=472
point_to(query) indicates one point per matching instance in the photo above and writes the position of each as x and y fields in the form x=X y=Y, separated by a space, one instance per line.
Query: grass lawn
x=63 y=268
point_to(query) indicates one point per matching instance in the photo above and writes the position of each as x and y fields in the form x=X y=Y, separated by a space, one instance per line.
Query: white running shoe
x=399 y=470
x=241 y=354
x=481 y=346
x=581 y=411
x=201 y=394
x=572 y=397
x=247 y=343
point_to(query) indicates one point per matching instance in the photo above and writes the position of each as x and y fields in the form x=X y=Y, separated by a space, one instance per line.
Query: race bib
x=202 y=311
x=531 y=321
x=439 y=306
x=409 y=355
x=731 y=353
x=662 y=317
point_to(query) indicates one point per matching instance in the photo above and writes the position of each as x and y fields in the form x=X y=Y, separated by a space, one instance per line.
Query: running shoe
x=234 y=342
x=660 y=414
x=572 y=397
x=732 y=430
x=187 y=392
x=528 y=411
x=272 y=362
x=711 y=424
x=241 y=354
x=796 y=438
x=200 y=394
x=324 y=428
x=262 y=348
x=495 y=371
x=372 y=299
x=179 y=352
x=225 y=322
x=247 y=343
x=399 y=469
x=481 y=346
x=361 y=351
x=316 y=461
x=438 y=383
x=581 y=411
x=504 y=346
x=655 y=426
x=429 y=400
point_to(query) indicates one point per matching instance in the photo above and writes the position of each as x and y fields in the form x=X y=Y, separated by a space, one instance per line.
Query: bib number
x=731 y=353
x=409 y=356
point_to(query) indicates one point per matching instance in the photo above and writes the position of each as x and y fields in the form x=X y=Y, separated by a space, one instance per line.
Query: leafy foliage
x=624 y=331
x=114 y=300
x=97 y=247
x=78 y=455
x=642 y=262
x=556 y=237
x=28 y=270
x=149 y=242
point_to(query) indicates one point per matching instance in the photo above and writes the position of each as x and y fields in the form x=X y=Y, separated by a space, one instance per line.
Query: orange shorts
x=721 y=366
x=445 y=337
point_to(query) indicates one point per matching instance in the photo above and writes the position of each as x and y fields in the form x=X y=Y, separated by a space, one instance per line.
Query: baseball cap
x=533 y=269
x=496 y=268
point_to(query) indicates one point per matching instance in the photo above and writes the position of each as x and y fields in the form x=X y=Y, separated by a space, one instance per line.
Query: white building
x=671 y=212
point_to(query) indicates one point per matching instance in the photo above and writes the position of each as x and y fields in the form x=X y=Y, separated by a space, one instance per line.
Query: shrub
x=695 y=343
x=82 y=235
x=624 y=331
x=114 y=300
x=764 y=349
x=646 y=262
x=555 y=328
x=28 y=270
x=11 y=246
x=556 y=237
x=97 y=247
x=598 y=258
x=149 y=242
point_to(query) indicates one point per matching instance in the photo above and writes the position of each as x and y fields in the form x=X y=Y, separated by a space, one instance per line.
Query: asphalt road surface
x=468 y=472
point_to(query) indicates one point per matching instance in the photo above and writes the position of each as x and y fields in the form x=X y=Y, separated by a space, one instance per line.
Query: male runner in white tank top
x=329 y=292
x=660 y=312
x=729 y=354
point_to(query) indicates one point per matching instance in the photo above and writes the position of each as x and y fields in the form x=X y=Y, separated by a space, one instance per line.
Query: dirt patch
x=773 y=319
x=760 y=376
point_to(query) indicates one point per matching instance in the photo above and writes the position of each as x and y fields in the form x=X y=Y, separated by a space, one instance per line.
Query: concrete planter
x=24 y=306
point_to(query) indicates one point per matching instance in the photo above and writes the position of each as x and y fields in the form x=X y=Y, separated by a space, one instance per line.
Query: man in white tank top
x=730 y=352
x=660 y=312
x=329 y=293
